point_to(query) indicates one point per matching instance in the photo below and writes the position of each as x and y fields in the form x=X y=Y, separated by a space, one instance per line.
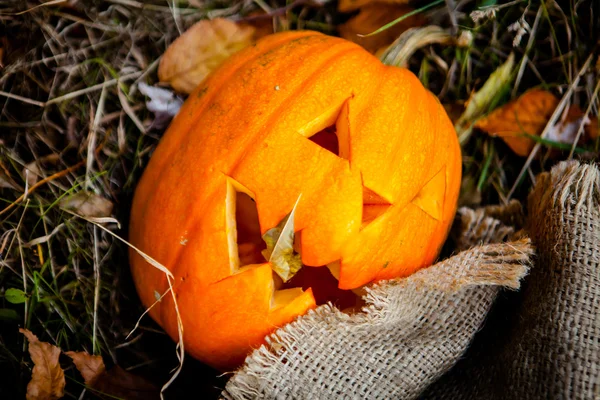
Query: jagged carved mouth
x=251 y=246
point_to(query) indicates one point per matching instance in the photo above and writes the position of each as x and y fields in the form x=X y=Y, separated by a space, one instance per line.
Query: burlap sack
x=540 y=343
x=411 y=331
x=544 y=342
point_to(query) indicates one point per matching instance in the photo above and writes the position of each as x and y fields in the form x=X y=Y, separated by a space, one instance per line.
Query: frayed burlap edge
x=396 y=309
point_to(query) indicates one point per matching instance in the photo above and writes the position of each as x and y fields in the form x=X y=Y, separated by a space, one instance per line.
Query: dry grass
x=70 y=111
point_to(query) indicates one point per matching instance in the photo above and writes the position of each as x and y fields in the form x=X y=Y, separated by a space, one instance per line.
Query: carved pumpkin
x=368 y=154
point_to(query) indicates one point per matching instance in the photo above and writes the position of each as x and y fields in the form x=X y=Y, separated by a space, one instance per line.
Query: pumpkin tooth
x=283 y=297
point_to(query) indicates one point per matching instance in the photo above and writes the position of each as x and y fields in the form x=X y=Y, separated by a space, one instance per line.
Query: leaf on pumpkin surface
x=47 y=377
x=87 y=204
x=115 y=382
x=528 y=115
x=200 y=50
x=280 y=247
x=372 y=17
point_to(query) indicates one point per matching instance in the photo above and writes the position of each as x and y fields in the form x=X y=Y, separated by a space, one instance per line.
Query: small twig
x=96 y=265
x=553 y=119
x=48 y=3
x=451 y=5
x=525 y=59
x=21 y=98
x=50 y=178
x=93 y=88
x=92 y=138
x=585 y=117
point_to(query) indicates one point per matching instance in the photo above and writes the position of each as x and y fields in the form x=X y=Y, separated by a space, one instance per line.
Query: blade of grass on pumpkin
x=402 y=18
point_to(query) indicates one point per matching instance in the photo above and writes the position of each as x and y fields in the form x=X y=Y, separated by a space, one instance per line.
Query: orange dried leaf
x=90 y=367
x=201 y=49
x=47 y=377
x=372 y=17
x=528 y=114
x=350 y=5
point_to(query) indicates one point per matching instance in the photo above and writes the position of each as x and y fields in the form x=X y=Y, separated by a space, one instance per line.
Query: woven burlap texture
x=410 y=332
x=544 y=342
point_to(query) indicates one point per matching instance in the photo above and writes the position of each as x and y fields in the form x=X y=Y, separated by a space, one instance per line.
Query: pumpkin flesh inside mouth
x=247 y=250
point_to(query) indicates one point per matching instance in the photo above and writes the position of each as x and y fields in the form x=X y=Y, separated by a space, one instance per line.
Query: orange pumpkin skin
x=380 y=209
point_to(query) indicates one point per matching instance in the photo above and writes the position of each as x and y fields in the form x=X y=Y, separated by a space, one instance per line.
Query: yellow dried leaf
x=528 y=115
x=47 y=377
x=479 y=101
x=90 y=367
x=200 y=50
x=351 y=5
x=372 y=17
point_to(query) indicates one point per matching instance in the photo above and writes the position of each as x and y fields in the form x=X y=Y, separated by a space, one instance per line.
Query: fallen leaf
x=372 y=17
x=90 y=367
x=162 y=102
x=116 y=382
x=47 y=377
x=479 y=101
x=261 y=22
x=351 y=5
x=528 y=115
x=200 y=50
x=87 y=204
x=15 y=296
x=32 y=173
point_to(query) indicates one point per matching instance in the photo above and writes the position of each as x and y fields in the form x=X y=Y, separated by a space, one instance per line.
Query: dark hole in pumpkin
x=324 y=287
x=250 y=244
x=327 y=139
x=249 y=240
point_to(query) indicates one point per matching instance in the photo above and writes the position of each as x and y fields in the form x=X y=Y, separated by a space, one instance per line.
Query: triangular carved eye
x=374 y=206
x=430 y=198
x=330 y=130
x=327 y=139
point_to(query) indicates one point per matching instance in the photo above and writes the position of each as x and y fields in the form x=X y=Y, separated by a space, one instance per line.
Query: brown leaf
x=529 y=114
x=120 y=383
x=90 y=367
x=87 y=204
x=200 y=50
x=261 y=23
x=47 y=377
x=116 y=382
x=372 y=17
x=351 y=5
